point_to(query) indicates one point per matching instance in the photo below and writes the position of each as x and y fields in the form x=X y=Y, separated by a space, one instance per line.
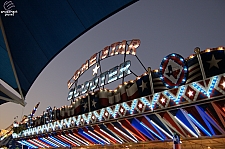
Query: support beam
x=11 y=59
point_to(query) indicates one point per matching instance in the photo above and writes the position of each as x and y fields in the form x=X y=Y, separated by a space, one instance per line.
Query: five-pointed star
x=95 y=70
x=106 y=114
x=223 y=84
x=214 y=62
x=143 y=85
x=163 y=100
x=190 y=93
x=85 y=106
x=94 y=103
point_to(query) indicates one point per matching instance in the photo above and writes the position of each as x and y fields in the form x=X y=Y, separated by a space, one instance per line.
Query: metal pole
x=124 y=59
x=150 y=79
x=11 y=60
x=89 y=103
x=100 y=69
x=197 y=51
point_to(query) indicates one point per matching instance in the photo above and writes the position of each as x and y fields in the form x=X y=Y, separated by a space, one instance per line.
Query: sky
x=163 y=27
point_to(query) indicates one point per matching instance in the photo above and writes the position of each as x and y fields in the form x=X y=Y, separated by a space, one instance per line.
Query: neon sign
x=124 y=47
x=104 y=78
x=115 y=73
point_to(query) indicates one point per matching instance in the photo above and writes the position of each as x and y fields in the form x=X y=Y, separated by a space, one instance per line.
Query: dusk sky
x=163 y=27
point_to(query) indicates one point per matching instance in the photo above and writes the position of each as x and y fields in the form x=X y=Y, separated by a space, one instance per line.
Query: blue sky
x=163 y=27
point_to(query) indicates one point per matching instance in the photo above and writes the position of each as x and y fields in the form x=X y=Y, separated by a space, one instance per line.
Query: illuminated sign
x=115 y=73
x=173 y=70
x=124 y=47
x=104 y=78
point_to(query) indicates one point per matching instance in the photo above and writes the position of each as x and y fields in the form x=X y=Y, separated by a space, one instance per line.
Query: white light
x=70 y=140
x=50 y=142
x=41 y=143
x=98 y=137
x=190 y=93
x=56 y=141
x=111 y=136
x=35 y=143
x=78 y=139
x=161 y=129
x=186 y=127
x=223 y=84
x=125 y=135
x=140 y=105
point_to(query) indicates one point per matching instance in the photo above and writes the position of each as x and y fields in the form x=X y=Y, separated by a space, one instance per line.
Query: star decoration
x=223 y=84
x=190 y=93
x=94 y=103
x=106 y=114
x=214 y=62
x=143 y=85
x=93 y=117
x=81 y=120
x=140 y=105
x=163 y=100
x=85 y=106
x=95 y=70
x=121 y=110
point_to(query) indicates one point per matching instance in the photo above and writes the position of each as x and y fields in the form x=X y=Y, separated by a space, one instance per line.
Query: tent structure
x=34 y=32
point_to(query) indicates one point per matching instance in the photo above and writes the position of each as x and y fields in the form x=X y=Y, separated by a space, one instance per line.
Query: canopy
x=34 y=32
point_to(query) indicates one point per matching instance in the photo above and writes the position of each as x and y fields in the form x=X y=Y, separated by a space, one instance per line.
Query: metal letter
x=135 y=43
x=113 y=74
x=124 y=69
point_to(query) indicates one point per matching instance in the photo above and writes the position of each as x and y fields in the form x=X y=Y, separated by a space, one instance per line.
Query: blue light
x=196 y=86
x=126 y=107
x=181 y=59
x=176 y=99
x=151 y=131
x=87 y=119
x=93 y=138
x=145 y=101
x=134 y=103
x=116 y=110
x=78 y=120
x=23 y=143
x=60 y=142
x=155 y=98
x=199 y=125
x=173 y=54
x=101 y=114
x=29 y=144
x=211 y=87
x=48 y=142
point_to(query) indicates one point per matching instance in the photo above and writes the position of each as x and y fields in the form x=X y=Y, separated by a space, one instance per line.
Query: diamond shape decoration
x=122 y=111
x=106 y=115
x=190 y=94
x=140 y=106
x=163 y=101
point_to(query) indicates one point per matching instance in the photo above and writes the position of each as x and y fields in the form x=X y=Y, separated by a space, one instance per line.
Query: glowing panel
x=199 y=125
